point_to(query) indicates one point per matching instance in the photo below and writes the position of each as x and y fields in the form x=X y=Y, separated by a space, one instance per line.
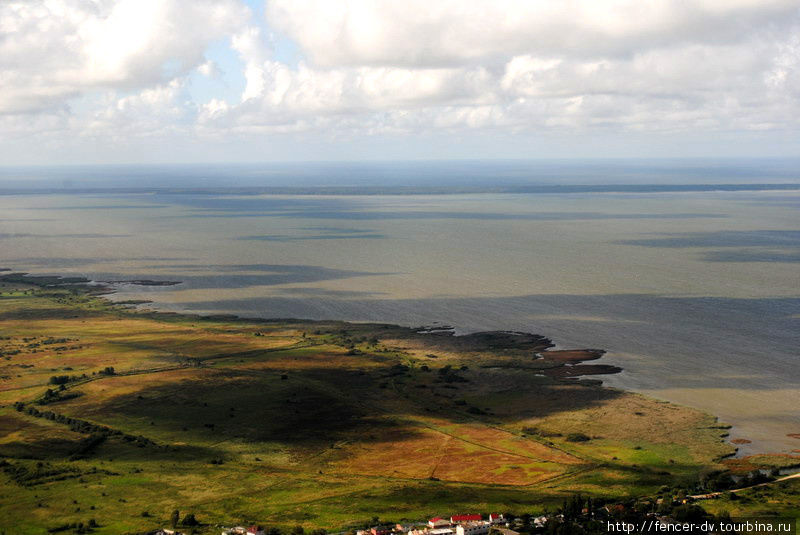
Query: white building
x=473 y=528
x=438 y=522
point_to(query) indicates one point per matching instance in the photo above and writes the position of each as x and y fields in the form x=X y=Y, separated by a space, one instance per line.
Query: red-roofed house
x=465 y=518
x=438 y=522
x=494 y=518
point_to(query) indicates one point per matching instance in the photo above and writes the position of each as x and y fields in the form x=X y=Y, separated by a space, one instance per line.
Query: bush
x=60 y=379
x=577 y=437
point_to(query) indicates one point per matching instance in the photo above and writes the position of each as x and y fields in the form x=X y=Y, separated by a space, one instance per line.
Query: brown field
x=467 y=453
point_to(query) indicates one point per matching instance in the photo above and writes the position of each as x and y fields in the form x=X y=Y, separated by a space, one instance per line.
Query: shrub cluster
x=38 y=473
x=84 y=427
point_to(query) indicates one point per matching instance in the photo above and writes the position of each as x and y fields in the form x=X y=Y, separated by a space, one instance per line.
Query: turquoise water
x=695 y=294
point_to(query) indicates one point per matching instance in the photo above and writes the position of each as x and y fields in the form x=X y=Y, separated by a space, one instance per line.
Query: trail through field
x=720 y=493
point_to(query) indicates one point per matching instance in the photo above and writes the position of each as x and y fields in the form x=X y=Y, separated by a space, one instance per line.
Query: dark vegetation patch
x=40 y=280
x=82 y=426
x=28 y=474
x=578 y=437
x=579 y=370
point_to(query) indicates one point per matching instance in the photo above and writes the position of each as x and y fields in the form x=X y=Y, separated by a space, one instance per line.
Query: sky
x=156 y=81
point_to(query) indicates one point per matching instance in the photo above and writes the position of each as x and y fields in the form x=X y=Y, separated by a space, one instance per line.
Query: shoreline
x=742 y=449
x=568 y=364
x=509 y=189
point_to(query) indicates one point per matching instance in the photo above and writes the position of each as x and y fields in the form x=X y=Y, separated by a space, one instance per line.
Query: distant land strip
x=413 y=190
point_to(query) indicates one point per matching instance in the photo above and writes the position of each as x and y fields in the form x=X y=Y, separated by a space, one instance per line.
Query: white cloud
x=630 y=64
x=54 y=50
x=82 y=68
x=209 y=69
x=452 y=32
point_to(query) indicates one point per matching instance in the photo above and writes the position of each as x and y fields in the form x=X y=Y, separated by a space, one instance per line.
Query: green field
x=319 y=424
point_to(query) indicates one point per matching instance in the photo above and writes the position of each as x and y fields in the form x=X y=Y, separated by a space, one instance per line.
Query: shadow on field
x=316 y=406
x=48 y=314
x=304 y=408
x=48 y=448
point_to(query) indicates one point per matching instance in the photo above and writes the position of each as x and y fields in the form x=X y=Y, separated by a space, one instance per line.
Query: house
x=616 y=509
x=441 y=531
x=255 y=530
x=465 y=518
x=438 y=522
x=473 y=528
x=380 y=530
x=494 y=518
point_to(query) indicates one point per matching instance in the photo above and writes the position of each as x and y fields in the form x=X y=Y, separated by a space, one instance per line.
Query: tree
x=174 y=518
x=190 y=520
x=577 y=437
x=59 y=379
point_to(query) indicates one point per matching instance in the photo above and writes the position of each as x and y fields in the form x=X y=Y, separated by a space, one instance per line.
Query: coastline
x=567 y=364
x=564 y=365
x=374 y=407
x=574 y=368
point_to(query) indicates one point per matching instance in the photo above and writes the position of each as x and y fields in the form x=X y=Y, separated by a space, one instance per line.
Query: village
x=581 y=513
x=461 y=524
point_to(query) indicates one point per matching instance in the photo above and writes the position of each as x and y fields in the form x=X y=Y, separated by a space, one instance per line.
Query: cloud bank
x=90 y=73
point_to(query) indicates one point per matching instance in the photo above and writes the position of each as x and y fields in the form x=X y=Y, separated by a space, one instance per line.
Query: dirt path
x=720 y=493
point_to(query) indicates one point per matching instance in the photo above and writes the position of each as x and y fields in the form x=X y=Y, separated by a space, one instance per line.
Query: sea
x=686 y=271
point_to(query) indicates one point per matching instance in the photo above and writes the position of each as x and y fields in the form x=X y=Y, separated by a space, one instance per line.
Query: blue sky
x=148 y=81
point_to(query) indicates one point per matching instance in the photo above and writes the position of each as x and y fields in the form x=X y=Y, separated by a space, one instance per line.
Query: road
x=716 y=494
